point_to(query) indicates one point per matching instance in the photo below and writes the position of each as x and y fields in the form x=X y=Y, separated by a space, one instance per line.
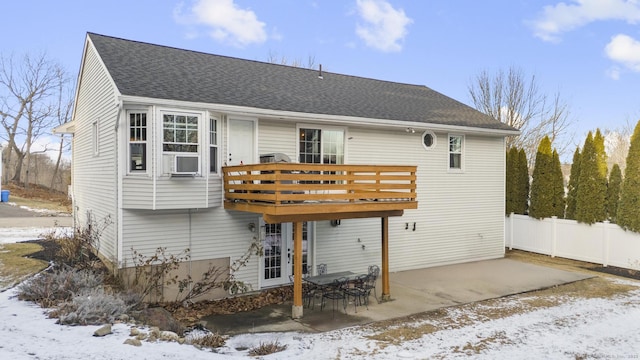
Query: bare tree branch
x=517 y=101
x=25 y=103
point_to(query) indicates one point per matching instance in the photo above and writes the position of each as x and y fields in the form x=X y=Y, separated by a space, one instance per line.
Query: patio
x=414 y=292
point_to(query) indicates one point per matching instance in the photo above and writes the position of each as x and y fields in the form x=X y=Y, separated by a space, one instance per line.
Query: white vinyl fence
x=600 y=243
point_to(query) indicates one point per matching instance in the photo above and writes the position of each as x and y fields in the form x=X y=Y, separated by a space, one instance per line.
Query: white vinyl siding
x=208 y=233
x=94 y=172
x=277 y=137
x=170 y=193
x=460 y=216
x=181 y=193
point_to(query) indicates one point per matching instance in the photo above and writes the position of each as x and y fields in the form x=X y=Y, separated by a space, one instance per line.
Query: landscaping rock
x=103 y=331
x=168 y=336
x=160 y=318
x=134 y=342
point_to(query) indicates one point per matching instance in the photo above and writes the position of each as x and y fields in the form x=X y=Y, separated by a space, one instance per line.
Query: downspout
x=190 y=253
x=118 y=198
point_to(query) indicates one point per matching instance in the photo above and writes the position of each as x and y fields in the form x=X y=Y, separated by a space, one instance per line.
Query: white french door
x=277 y=260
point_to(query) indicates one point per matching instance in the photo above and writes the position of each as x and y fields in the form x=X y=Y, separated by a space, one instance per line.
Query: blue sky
x=587 y=50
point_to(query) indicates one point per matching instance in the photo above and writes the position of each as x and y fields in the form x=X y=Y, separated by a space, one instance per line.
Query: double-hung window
x=180 y=133
x=213 y=145
x=180 y=141
x=137 y=141
x=455 y=152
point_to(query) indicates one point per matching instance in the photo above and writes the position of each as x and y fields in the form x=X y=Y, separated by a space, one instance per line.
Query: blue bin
x=5 y=196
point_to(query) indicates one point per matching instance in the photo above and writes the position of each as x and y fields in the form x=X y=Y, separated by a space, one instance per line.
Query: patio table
x=327 y=279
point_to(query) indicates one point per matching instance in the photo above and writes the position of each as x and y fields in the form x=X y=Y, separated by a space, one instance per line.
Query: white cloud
x=625 y=50
x=563 y=17
x=224 y=21
x=613 y=73
x=384 y=27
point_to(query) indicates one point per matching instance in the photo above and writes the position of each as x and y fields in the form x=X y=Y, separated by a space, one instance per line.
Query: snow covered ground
x=19 y=234
x=577 y=328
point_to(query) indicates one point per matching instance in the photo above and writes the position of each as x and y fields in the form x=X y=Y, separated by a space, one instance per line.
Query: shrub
x=613 y=192
x=547 y=191
x=628 y=214
x=51 y=288
x=206 y=339
x=267 y=348
x=522 y=172
x=155 y=271
x=77 y=248
x=92 y=307
x=592 y=182
x=572 y=187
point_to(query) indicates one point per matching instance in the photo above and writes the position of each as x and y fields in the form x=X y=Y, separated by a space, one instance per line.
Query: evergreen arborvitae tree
x=598 y=142
x=522 y=172
x=557 y=186
x=542 y=183
x=572 y=187
x=613 y=192
x=592 y=186
x=511 y=181
x=628 y=208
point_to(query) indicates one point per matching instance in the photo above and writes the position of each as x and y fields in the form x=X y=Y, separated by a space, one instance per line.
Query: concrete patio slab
x=412 y=292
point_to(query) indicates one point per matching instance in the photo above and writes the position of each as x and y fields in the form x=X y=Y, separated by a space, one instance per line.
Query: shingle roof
x=154 y=71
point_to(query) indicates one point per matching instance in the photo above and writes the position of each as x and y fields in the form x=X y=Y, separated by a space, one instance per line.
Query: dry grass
x=14 y=266
x=267 y=349
x=211 y=340
x=37 y=197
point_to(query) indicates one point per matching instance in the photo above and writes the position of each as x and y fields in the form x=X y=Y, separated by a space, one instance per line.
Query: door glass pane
x=272 y=245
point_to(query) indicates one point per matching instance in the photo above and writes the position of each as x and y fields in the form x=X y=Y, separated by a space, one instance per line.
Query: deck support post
x=296 y=310
x=386 y=293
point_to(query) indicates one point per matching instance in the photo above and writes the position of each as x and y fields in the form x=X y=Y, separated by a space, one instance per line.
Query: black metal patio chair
x=321 y=269
x=335 y=293
x=309 y=293
x=359 y=291
x=374 y=273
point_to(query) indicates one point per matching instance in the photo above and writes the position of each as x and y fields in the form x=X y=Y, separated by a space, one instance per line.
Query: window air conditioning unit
x=186 y=165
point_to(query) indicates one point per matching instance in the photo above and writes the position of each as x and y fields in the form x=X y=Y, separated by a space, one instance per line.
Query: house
x=167 y=144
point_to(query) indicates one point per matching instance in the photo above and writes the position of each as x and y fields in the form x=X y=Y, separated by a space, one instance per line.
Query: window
x=180 y=133
x=137 y=141
x=429 y=140
x=455 y=152
x=321 y=146
x=213 y=145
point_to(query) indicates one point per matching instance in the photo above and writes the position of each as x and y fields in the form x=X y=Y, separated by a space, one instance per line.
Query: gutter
x=337 y=119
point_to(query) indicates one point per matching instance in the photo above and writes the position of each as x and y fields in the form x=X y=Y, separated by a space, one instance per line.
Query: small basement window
x=429 y=140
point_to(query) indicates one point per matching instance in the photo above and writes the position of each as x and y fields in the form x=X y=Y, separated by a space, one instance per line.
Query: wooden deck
x=290 y=192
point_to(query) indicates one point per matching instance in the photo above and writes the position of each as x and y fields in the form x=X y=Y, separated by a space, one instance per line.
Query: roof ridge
x=324 y=71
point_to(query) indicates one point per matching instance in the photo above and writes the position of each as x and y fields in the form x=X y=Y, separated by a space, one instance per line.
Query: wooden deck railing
x=292 y=183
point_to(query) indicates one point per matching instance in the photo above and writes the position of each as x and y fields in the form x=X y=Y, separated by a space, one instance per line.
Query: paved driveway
x=14 y=216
